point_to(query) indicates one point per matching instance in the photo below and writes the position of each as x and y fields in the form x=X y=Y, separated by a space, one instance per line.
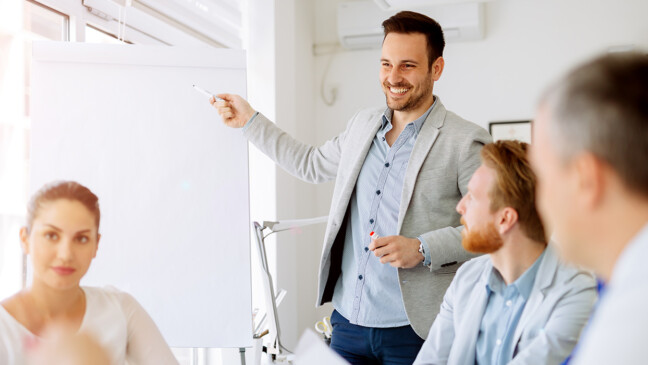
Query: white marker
x=206 y=93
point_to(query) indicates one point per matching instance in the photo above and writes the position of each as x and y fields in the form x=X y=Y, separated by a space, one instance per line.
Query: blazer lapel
x=356 y=161
x=544 y=279
x=468 y=331
x=424 y=141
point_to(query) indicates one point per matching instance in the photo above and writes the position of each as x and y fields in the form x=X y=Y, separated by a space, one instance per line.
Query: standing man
x=590 y=154
x=399 y=171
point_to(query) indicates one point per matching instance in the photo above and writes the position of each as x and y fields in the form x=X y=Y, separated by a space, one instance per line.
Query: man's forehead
x=413 y=37
x=396 y=44
x=481 y=179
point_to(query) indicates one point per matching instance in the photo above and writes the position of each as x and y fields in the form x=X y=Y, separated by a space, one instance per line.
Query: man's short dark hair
x=407 y=22
x=602 y=107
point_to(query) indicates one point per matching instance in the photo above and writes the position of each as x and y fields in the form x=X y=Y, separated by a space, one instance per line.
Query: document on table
x=311 y=350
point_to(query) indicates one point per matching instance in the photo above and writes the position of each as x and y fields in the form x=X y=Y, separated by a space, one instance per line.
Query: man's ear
x=590 y=179
x=437 y=68
x=507 y=219
x=24 y=240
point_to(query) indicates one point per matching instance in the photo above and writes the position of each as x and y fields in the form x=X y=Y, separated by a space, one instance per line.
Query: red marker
x=374 y=235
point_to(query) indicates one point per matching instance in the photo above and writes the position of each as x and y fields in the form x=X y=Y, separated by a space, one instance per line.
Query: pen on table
x=206 y=93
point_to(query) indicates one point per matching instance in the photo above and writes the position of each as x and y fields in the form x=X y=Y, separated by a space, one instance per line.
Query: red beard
x=483 y=240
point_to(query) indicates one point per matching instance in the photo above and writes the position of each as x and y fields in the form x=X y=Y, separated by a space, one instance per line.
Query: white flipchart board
x=172 y=180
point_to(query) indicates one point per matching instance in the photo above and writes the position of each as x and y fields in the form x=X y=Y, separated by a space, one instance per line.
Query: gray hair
x=602 y=107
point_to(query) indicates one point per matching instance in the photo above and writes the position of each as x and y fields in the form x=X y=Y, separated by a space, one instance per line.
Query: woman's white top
x=114 y=318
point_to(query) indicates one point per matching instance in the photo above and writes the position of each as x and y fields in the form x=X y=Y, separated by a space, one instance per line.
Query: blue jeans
x=368 y=345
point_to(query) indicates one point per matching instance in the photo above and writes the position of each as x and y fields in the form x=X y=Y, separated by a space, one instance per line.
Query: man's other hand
x=398 y=251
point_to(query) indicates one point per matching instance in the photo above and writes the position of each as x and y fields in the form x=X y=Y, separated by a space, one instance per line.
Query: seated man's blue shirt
x=502 y=314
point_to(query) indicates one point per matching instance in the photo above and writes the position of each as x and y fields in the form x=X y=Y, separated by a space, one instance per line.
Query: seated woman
x=61 y=238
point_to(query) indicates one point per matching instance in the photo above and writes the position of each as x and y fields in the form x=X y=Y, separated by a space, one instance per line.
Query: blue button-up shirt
x=502 y=314
x=367 y=292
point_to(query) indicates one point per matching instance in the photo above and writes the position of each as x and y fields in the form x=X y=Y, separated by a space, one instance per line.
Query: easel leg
x=242 y=352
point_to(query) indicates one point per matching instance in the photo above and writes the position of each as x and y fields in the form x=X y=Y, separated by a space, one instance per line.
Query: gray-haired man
x=590 y=154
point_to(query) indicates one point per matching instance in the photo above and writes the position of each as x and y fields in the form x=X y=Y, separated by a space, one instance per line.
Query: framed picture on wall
x=520 y=130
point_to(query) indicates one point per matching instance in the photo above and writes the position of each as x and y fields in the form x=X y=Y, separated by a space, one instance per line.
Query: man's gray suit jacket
x=558 y=308
x=444 y=157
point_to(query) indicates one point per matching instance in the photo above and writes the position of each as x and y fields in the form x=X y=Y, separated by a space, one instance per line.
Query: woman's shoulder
x=9 y=310
x=14 y=303
x=106 y=295
x=107 y=291
x=16 y=311
x=12 y=333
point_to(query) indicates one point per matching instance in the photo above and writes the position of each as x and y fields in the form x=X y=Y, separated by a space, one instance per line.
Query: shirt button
x=498 y=342
x=366 y=249
x=383 y=138
x=371 y=220
x=377 y=192
x=359 y=277
x=386 y=164
x=509 y=303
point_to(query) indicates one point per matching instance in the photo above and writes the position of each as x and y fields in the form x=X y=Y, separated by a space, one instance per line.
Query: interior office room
x=308 y=65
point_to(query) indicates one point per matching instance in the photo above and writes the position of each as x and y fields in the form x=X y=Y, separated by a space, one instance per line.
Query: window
x=41 y=23
x=45 y=23
x=214 y=23
x=38 y=23
x=95 y=35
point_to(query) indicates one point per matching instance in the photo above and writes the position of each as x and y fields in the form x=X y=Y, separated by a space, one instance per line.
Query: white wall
x=293 y=83
x=281 y=72
x=298 y=252
x=528 y=43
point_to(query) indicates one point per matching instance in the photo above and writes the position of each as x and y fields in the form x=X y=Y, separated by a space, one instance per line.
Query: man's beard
x=414 y=100
x=483 y=240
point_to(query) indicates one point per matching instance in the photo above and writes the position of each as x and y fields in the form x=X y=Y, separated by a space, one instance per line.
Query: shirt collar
x=418 y=123
x=524 y=284
x=631 y=259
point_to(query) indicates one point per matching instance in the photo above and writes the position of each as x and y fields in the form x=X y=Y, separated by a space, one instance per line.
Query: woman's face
x=62 y=242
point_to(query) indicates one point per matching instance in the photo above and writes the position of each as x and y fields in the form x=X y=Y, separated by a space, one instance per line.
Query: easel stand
x=242 y=352
x=275 y=349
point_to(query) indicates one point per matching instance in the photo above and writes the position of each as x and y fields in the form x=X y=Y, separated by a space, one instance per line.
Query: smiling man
x=518 y=304
x=398 y=171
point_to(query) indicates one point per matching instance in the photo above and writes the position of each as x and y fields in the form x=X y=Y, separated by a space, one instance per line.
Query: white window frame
x=141 y=26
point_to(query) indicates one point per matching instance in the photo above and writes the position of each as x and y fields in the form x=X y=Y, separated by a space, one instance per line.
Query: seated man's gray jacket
x=555 y=313
x=444 y=157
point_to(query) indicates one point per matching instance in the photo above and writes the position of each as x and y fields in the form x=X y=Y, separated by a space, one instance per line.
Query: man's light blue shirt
x=367 y=292
x=502 y=314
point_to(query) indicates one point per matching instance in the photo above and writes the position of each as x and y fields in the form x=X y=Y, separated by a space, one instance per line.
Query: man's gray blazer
x=557 y=310
x=444 y=157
